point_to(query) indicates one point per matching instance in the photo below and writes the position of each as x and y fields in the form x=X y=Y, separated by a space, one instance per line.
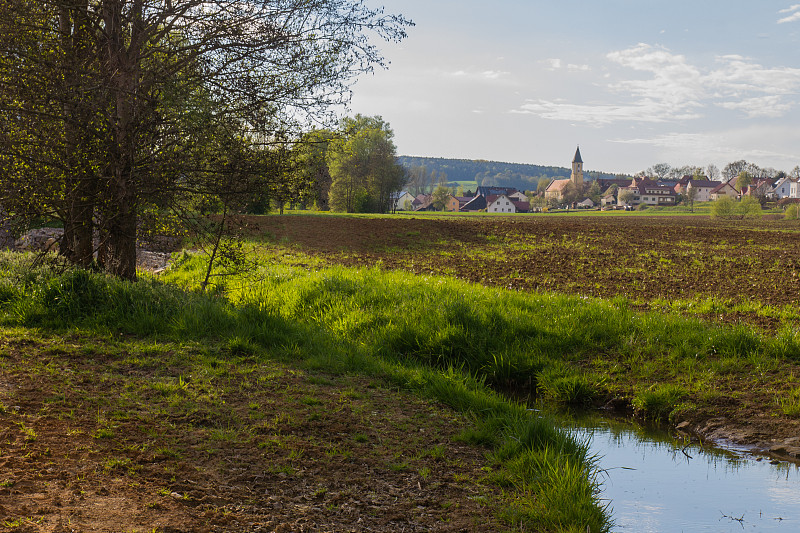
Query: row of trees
x=112 y=109
x=730 y=172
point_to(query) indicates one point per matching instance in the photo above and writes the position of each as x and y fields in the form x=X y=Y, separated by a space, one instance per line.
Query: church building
x=556 y=188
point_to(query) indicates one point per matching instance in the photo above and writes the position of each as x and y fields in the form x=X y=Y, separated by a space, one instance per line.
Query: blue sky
x=633 y=82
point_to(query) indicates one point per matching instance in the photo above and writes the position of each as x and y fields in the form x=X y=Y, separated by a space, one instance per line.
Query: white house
x=405 y=201
x=703 y=188
x=723 y=189
x=500 y=204
x=519 y=197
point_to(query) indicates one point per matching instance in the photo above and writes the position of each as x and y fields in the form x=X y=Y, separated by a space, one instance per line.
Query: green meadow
x=487 y=353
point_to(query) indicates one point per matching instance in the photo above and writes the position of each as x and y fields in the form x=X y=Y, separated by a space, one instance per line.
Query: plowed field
x=645 y=259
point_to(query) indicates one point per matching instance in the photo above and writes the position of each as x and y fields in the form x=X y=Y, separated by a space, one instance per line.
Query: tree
x=625 y=197
x=440 y=196
x=593 y=192
x=111 y=107
x=743 y=180
x=691 y=195
x=659 y=170
x=364 y=166
x=311 y=156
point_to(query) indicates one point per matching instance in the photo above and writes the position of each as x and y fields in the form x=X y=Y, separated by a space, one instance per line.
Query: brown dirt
x=89 y=443
x=641 y=258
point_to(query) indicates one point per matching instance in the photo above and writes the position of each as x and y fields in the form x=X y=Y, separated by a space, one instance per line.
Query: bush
x=750 y=207
x=792 y=212
x=724 y=207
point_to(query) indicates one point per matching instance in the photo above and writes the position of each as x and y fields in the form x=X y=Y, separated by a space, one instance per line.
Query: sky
x=632 y=82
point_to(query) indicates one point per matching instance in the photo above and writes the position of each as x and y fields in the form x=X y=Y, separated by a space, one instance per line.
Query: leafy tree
x=440 y=196
x=743 y=180
x=311 y=165
x=114 y=107
x=625 y=197
x=364 y=167
x=593 y=192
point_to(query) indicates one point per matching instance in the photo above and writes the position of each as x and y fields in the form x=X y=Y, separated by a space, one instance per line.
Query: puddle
x=658 y=483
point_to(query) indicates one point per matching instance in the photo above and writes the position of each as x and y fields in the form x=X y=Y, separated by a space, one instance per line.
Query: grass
x=446 y=340
x=336 y=322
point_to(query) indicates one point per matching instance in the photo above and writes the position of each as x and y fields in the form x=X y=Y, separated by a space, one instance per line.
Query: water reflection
x=657 y=482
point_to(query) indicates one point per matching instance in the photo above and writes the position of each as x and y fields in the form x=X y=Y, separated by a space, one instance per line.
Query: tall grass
x=443 y=338
x=347 y=321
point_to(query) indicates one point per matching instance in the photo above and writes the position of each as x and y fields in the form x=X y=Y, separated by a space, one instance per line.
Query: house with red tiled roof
x=500 y=203
x=647 y=191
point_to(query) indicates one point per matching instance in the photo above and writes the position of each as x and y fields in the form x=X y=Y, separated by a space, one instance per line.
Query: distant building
x=556 y=188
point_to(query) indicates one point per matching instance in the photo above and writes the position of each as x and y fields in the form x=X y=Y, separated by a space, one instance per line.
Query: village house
x=456 y=203
x=404 y=201
x=477 y=203
x=505 y=204
x=703 y=189
x=759 y=187
x=649 y=192
x=781 y=189
x=723 y=189
x=519 y=196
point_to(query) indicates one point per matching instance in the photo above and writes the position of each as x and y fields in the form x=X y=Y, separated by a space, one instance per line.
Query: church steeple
x=577 y=170
x=578 y=156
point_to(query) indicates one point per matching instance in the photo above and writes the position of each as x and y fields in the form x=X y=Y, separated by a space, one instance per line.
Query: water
x=655 y=483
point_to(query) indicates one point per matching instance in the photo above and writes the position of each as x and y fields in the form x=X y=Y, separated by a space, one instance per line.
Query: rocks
x=785 y=450
x=48 y=239
x=39 y=240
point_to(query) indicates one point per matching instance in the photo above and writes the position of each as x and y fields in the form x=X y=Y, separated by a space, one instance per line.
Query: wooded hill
x=493 y=173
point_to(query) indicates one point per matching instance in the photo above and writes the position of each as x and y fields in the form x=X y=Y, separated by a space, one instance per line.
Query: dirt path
x=123 y=438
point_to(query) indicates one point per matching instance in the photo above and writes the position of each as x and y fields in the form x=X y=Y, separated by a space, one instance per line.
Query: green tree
x=625 y=197
x=440 y=196
x=114 y=107
x=311 y=163
x=691 y=195
x=364 y=169
x=743 y=180
x=593 y=192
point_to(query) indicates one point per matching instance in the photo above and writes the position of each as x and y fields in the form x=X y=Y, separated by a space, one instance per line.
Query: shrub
x=724 y=207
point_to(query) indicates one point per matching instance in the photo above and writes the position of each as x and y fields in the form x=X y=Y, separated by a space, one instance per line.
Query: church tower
x=577 y=170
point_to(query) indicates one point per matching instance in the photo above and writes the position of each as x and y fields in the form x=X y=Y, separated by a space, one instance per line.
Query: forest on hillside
x=492 y=173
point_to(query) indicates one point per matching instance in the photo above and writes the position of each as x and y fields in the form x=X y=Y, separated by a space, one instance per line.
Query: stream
x=655 y=482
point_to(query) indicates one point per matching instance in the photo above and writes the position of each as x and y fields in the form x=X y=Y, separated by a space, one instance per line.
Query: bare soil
x=641 y=258
x=110 y=435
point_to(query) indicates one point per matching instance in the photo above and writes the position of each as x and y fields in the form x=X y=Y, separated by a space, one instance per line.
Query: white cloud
x=722 y=147
x=491 y=75
x=601 y=115
x=555 y=64
x=764 y=106
x=795 y=14
x=670 y=88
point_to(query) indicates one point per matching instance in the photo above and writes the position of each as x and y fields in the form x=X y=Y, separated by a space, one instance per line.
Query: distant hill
x=494 y=173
